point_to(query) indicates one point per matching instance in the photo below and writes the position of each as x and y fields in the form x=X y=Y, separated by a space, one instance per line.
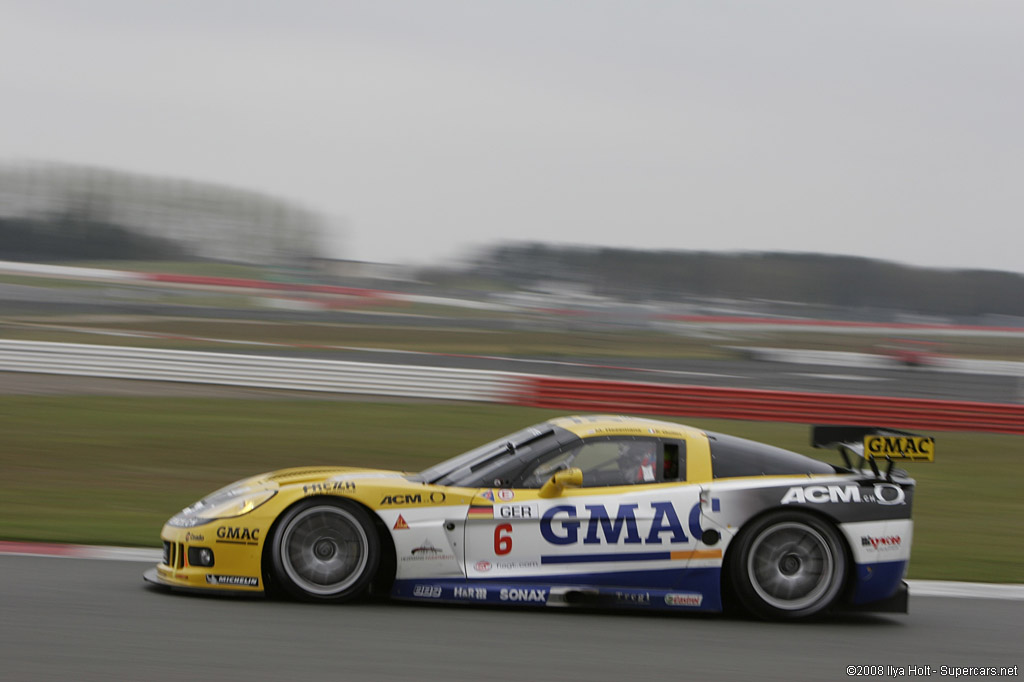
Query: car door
x=627 y=524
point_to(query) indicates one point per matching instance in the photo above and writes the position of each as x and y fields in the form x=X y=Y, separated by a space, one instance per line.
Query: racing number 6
x=503 y=543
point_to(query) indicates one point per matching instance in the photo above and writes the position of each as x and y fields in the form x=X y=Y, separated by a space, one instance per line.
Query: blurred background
x=87 y=254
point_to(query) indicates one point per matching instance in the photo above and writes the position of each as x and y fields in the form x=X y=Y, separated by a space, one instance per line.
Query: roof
x=617 y=425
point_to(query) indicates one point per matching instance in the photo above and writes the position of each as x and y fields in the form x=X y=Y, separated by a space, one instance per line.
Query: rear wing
x=870 y=444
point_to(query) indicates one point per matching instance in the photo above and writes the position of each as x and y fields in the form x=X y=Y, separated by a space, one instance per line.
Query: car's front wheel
x=788 y=565
x=325 y=550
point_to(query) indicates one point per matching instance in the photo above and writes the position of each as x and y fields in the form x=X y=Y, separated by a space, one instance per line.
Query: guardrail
x=256 y=371
x=577 y=395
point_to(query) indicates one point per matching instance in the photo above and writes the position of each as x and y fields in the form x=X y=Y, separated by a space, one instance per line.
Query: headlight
x=223 y=504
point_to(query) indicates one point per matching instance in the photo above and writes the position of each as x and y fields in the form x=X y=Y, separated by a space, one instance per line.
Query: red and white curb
x=918 y=588
x=62 y=551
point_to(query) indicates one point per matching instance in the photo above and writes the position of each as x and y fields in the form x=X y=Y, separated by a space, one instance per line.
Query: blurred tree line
x=75 y=237
x=844 y=281
x=59 y=211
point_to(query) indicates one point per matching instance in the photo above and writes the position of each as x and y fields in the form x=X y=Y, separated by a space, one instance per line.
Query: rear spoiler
x=873 y=443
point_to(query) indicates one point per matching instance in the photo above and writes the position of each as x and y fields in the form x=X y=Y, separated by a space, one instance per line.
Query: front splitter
x=153 y=577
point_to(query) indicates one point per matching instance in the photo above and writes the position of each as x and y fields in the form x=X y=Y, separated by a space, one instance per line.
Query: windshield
x=451 y=471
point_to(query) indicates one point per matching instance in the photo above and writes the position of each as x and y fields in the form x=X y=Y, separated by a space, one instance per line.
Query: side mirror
x=566 y=478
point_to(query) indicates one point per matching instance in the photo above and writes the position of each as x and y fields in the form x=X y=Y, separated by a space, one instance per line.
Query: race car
x=604 y=511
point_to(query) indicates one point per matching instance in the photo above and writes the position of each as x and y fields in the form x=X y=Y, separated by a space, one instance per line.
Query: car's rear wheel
x=788 y=565
x=325 y=550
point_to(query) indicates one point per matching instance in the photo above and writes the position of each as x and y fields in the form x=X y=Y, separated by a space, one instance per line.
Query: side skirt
x=538 y=594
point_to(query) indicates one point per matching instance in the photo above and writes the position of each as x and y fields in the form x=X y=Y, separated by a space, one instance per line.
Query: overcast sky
x=421 y=128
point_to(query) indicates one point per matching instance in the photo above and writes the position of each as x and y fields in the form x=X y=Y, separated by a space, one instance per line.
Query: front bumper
x=235 y=553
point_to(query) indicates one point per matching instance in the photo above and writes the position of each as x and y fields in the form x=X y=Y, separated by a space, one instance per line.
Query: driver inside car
x=637 y=461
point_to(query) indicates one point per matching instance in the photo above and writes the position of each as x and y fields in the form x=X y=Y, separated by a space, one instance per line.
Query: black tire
x=325 y=550
x=788 y=565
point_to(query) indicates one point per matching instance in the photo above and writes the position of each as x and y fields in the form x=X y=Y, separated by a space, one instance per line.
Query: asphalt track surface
x=79 y=619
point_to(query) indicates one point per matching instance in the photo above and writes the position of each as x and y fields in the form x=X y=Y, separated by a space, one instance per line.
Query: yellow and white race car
x=602 y=511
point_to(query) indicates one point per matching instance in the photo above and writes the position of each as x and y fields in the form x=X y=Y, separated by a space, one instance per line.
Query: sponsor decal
x=512 y=565
x=488 y=495
x=426 y=591
x=889 y=494
x=684 y=599
x=506 y=495
x=194 y=537
x=886 y=543
x=482 y=566
x=426 y=548
x=402 y=499
x=428 y=552
x=244 y=580
x=400 y=524
x=516 y=511
x=238 y=536
x=436 y=497
x=523 y=594
x=851 y=493
x=914 y=448
x=328 y=487
x=637 y=598
x=470 y=592
x=480 y=512
x=560 y=525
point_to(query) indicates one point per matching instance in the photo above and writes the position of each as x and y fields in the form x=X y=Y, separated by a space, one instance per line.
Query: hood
x=299 y=475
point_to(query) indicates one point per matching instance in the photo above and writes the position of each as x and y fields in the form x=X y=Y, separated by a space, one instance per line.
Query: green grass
x=51 y=282
x=112 y=470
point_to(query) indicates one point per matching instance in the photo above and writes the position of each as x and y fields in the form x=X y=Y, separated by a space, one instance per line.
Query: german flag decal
x=480 y=511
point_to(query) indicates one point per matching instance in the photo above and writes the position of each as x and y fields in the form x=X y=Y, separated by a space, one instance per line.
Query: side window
x=673 y=464
x=609 y=461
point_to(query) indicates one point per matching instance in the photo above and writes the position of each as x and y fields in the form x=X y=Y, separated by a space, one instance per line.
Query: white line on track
x=943 y=588
x=839 y=377
x=918 y=588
